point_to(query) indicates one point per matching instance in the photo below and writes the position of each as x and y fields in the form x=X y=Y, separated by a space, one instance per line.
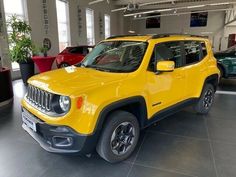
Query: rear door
x=195 y=65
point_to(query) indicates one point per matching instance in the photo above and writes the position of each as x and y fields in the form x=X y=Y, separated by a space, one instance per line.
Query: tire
x=206 y=100
x=115 y=137
x=63 y=65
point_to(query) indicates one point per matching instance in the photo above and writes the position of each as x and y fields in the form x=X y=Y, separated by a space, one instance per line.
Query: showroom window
x=90 y=26
x=63 y=24
x=107 y=26
x=15 y=7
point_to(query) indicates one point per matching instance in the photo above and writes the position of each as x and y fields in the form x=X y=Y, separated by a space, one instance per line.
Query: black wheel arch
x=212 y=79
x=135 y=105
x=219 y=65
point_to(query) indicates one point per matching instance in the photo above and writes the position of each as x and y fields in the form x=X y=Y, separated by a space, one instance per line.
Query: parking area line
x=226 y=92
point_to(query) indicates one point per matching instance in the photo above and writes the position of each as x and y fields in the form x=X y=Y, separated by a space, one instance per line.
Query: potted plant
x=39 y=51
x=44 y=51
x=6 y=94
x=21 y=46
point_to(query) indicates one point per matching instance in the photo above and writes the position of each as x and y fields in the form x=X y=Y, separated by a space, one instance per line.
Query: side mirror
x=165 y=66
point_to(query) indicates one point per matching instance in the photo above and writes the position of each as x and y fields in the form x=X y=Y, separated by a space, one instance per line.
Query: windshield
x=116 y=56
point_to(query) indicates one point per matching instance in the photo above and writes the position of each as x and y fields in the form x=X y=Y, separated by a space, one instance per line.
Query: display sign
x=199 y=19
x=153 y=22
x=45 y=16
x=79 y=20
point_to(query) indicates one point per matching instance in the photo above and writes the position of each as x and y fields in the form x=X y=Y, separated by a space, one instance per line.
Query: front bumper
x=61 y=139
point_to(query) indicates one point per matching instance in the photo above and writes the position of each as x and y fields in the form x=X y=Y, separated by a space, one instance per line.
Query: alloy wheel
x=208 y=99
x=122 y=138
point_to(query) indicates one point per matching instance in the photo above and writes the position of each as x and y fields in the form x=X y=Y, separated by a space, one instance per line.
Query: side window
x=195 y=51
x=167 y=51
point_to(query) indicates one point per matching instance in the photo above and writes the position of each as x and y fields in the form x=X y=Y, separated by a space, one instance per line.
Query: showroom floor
x=182 y=145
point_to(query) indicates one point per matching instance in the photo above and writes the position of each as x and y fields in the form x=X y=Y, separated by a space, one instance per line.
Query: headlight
x=64 y=102
x=61 y=104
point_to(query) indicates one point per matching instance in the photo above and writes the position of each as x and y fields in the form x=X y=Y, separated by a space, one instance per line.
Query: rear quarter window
x=195 y=51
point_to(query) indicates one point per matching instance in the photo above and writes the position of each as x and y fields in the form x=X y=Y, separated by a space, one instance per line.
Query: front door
x=167 y=88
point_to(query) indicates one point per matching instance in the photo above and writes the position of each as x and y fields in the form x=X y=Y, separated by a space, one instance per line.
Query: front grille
x=39 y=98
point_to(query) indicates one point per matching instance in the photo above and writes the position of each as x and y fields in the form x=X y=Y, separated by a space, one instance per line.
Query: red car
x=72 y=55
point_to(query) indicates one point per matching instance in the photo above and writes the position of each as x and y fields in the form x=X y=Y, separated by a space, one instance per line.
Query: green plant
x=20 y=43
x=39 y=50
x=44 y=51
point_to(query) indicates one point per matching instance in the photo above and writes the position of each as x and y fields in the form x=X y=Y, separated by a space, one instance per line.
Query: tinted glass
x=192 y=52
x=76 y=50
x=116 y=56
x=168 y=51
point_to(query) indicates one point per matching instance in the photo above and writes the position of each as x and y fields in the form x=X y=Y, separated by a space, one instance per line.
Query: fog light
x=60 y=141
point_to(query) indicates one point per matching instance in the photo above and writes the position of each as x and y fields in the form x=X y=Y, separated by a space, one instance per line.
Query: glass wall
x=90 y=26
x=15 y=7
x=63 y=24
x=107 y=26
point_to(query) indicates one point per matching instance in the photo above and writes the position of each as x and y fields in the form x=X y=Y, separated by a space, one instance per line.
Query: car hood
x=221 y=55
x=72 y=80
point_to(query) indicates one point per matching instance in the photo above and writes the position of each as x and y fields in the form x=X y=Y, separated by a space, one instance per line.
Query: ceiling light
x=219 y=4
x=119 y=9
x=158 y=2
x=197 y=6
x=95 y=2
x=148 y=12
x=164 y=10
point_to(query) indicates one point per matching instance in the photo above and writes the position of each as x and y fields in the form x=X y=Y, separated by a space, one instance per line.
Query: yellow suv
x=124 y=85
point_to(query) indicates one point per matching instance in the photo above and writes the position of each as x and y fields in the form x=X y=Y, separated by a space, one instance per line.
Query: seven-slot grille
x=39 y=98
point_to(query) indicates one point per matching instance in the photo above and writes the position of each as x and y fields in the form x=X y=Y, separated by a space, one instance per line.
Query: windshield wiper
x=98 y=68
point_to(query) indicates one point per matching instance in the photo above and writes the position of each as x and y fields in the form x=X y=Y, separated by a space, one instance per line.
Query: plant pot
x=26 y=70
x=6 y=94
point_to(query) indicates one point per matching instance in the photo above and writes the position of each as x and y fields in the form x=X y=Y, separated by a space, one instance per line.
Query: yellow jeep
x=124 y=85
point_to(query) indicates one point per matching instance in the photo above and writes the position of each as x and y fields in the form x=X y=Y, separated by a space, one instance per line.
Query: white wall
x=181 y=24
x=99 y=10
x=35 y=17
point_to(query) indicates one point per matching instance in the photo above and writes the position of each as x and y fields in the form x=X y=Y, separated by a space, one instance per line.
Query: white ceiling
x=173 y=6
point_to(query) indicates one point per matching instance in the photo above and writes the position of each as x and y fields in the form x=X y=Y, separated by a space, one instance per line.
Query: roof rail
x=128 y=35
x=172 y=34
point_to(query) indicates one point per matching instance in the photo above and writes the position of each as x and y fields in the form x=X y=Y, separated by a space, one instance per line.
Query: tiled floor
x=182 y=145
